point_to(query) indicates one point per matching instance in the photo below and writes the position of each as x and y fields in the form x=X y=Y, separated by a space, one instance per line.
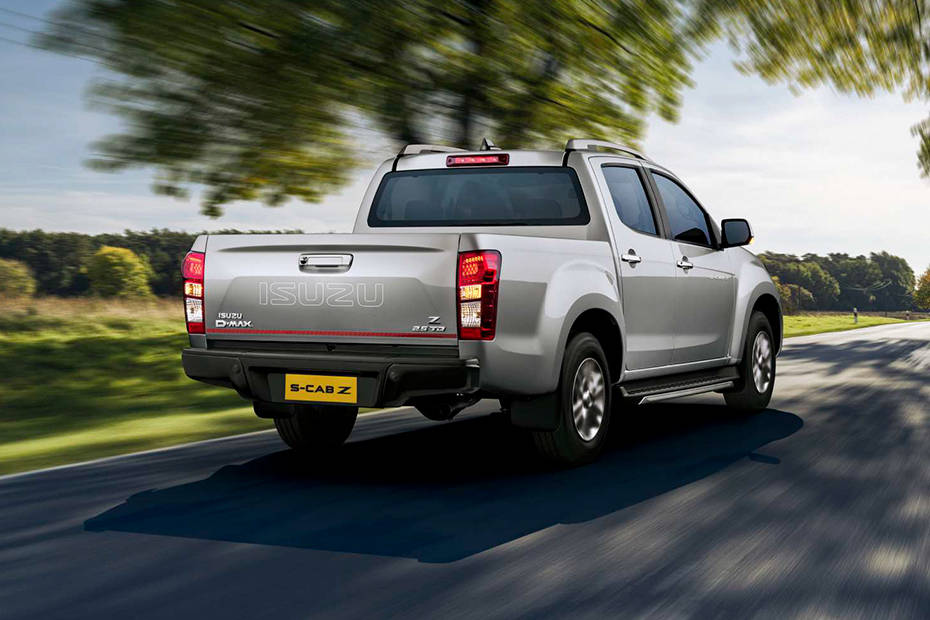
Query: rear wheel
x=316 y=428
x=757 y=370
x=584 y=400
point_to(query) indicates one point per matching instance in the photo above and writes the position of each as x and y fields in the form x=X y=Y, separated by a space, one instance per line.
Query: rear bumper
x=383 y=381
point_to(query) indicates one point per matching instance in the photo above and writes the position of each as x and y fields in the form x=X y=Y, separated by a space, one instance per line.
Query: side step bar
x=676 y=386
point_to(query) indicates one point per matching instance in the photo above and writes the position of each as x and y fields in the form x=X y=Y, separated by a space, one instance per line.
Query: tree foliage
x=15 y=279
x=819 y=286
x=43 y=251
x=794 y=297
x=839 y=281
x=259 y=99
x=856 y=46
x=119 y=272
x=922 y=296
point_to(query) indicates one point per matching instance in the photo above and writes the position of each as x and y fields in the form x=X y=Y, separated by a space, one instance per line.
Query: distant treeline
x=880 y=281
x=59 y=260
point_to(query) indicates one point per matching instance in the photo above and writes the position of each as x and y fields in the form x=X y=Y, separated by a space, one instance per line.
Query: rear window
x=531 y=196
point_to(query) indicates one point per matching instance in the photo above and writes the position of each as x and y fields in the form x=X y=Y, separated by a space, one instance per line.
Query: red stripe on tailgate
x=301 y=332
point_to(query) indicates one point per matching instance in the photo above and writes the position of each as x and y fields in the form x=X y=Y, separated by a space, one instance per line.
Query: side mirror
x=736 y=232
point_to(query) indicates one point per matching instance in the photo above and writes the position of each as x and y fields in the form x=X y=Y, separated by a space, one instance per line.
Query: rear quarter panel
x=546 y=283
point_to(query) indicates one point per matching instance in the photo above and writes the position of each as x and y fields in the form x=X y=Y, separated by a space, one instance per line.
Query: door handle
x=684 y=263
x=631 y=257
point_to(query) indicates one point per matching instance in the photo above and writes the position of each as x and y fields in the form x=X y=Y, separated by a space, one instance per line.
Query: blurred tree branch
x=856 y=46
x=259 y=99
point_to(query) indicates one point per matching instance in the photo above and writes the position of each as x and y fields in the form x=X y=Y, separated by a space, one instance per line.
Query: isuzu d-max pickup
x=560 y=282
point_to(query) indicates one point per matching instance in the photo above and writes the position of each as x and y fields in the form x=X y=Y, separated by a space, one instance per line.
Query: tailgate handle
x=325 y=262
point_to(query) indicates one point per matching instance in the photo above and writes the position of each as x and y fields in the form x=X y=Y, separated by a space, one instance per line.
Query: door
x=645 y=263
x=705 y=283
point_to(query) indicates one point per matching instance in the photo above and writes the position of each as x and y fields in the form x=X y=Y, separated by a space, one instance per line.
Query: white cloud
x=820 y=172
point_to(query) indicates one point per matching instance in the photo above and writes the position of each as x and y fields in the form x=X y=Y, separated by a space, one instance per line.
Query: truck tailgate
x=375 y=288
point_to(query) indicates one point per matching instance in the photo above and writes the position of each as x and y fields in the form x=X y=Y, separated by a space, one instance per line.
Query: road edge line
x=115 y=457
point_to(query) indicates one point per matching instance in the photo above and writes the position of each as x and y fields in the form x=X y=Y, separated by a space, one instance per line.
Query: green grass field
x=806 y=324
x=83 y=379
x=86 y=379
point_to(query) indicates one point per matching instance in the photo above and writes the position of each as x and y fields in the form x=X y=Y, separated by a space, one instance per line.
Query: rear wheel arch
x=604 y=327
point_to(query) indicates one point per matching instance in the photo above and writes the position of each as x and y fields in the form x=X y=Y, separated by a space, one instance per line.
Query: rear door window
x=532 y=196
x=629 y=198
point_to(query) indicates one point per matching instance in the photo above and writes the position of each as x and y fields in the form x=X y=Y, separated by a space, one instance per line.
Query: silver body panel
x=392 y=284
x=671 y=320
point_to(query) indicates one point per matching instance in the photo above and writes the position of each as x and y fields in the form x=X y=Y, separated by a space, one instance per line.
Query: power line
x=52 y=22
x=15 y=42
x=20 y=28
x=19 y=14
x=39 y=47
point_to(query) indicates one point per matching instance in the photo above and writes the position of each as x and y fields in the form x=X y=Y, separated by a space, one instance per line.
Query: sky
x=816 y=172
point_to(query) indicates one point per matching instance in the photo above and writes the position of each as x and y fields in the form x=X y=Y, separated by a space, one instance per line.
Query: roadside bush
x=16 y=279
x=119 y=272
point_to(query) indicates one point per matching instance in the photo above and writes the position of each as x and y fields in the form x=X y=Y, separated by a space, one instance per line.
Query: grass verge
x=807 y=324
x=84 y=379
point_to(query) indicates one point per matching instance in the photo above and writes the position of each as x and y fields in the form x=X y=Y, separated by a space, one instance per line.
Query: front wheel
x=584 y=401
x=316 y=428
x=757 y=369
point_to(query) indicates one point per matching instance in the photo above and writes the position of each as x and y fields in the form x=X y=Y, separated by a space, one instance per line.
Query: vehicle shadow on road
x=446 y=492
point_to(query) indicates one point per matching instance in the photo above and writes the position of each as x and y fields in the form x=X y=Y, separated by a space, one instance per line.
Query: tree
x=857 y=46
x=814 y=280
x=838 y=281
x=258 y=99
x=15 y=279
x=899 y=293
x=794 y=297
x=56 y=259
x=119 y=272
x=922 y=296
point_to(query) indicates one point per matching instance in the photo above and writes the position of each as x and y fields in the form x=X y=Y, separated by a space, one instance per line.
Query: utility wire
x=15 y=27
x=15 y=42
x=39 y=47
x=52 y=22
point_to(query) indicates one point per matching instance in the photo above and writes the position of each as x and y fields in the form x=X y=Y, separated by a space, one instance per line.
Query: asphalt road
x=817 y=507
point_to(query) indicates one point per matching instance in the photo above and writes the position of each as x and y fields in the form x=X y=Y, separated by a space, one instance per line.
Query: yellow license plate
x=321 y=388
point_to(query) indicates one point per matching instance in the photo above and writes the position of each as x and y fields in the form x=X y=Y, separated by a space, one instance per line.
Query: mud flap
x=541 y=413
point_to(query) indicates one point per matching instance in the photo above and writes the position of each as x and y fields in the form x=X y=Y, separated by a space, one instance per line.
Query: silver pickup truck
x=560 y=282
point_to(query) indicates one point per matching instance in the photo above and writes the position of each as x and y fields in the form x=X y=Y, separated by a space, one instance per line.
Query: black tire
x=566 y=445
x=316 y=428
x=747 y=397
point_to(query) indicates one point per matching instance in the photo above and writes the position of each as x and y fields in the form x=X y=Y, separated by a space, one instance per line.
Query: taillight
x=192 y=272
x=500 y=159
x=478 y=279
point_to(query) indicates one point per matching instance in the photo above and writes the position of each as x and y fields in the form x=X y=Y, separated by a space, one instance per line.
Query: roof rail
x=577 y=144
